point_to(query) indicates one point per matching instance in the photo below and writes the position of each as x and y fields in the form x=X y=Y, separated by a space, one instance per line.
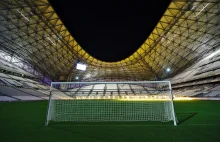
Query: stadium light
x=81 y=67
x=211 y=55
x=23 y=15
x=168 y=70
x=51 y=41
x=202 y=9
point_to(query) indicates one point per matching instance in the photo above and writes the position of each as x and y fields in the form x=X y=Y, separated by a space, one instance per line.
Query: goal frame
x=127 y=82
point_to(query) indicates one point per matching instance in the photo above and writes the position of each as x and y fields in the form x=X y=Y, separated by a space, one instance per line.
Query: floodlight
x=81 y=67
x=211 y=55
x=168 y=70
x=77 y=77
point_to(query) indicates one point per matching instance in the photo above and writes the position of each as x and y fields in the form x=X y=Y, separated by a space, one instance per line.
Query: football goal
x=111 y=102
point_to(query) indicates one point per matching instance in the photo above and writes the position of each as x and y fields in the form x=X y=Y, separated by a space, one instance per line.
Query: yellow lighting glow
x=133 y=98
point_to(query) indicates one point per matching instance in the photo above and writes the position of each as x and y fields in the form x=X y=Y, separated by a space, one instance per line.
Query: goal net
x=111 y=101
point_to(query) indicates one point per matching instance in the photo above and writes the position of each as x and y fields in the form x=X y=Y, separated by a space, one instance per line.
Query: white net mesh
x=111 y=101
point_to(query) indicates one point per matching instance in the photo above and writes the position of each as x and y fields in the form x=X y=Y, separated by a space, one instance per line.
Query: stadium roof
x=186 y=32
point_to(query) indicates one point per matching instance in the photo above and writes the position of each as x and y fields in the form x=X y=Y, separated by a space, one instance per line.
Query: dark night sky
x=107 y=30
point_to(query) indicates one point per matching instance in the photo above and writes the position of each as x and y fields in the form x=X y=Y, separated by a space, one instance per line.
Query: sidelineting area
x=25 y=121
x=111 y=102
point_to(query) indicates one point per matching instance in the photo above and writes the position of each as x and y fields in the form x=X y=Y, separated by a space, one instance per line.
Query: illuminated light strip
x=211 y=55
x=130 y=98
x=202 y=9
x=51 y=41
x=183 y=98
x=80 y=66
x=126 y=97
x=23 y=15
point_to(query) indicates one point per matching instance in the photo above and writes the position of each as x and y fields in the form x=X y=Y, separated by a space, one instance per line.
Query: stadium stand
x=15 y=93
x=10 y=67
x=199 y=80
x=14 y=87
x=202 y=76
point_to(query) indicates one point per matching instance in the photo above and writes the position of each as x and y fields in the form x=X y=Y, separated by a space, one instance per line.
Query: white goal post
x=111 y=102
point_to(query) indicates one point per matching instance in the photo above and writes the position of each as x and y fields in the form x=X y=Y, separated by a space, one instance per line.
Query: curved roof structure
x=185 y=33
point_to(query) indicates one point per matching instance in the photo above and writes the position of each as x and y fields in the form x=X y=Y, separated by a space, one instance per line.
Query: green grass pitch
x=24 y=121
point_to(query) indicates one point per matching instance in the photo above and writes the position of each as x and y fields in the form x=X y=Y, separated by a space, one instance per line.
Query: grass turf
x=24 y=121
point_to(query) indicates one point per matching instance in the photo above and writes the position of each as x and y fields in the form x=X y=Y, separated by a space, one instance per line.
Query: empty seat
x=6 y=98
x=212 y=93
x=15 y=93
x=13 y=82
x=32 y=92
x=99 y=87
x=45 y=92
x=2 y=75
x=31 y=85
x=17 y=78
x=28 y=98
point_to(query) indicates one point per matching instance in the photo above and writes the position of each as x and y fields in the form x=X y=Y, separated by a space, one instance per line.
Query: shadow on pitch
x=183 y=117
